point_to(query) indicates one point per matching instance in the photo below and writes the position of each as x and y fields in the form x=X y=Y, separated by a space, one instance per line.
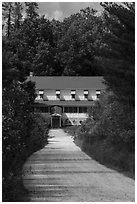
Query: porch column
x=60 y=122
x=51 y=120
x=62 y=109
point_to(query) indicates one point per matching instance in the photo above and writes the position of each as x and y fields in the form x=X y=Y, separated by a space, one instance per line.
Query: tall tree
x=9 y=71
x=7 y=10
x=118 y=50
x=17 y=14
x=31 y=10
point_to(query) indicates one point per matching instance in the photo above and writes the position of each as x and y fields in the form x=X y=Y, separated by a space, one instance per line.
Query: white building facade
x=66 y=100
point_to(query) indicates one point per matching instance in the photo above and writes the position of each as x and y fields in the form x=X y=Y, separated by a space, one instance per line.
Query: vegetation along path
x=62 y=172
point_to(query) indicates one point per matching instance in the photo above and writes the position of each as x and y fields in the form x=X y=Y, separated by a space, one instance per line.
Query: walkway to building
x=61 y=172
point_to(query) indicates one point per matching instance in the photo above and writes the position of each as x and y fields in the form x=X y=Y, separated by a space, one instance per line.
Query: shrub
x=110 y=137
x=23 y=133
x=39 y=132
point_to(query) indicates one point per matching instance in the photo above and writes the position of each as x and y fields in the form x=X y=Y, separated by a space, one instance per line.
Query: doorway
x=55 y=121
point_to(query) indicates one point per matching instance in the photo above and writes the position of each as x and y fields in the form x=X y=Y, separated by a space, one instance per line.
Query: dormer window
x=57 y=94
x=41 y=93
x=86 y=94
x=98 y=92
x=73 y=94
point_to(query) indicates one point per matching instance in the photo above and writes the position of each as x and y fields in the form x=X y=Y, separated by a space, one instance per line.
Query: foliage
x=23 y=132
x=54 y=48
x=7 y=12
x=31 y=10
x=39 y=132
x=77 y=47
x=16 y=123
x=117 y=50
x=12 y=17
x=110 y=137
x=31 y=41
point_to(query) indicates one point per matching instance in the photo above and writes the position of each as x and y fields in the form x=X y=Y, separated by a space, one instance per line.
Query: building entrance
x=55 y=121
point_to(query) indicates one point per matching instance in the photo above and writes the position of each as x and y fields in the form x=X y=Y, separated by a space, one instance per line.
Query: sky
x=60 y=10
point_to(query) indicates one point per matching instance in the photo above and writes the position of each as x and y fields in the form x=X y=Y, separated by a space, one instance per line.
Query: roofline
x=71 y=89
x=65 y=76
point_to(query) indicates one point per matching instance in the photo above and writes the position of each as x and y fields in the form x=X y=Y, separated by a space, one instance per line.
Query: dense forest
x=83 y=44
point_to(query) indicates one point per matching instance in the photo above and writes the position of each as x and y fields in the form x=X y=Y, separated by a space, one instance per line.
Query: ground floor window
x=75 y=109
x=70 y=109
x=82 y=109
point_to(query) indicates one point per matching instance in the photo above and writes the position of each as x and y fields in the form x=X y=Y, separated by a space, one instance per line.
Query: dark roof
x=64 y=103
x=65 y=82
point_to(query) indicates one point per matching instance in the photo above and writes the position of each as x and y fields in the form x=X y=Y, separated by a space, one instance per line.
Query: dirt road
x=60 y=172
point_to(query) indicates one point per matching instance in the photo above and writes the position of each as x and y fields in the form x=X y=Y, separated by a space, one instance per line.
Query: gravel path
x=61 y=172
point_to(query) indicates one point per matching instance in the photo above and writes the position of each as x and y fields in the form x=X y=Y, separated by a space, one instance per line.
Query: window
x=98 y=92
x=57 y=94
x=66 y=109
x=41 y=93
x=73 y=94
x=75 y=109
x=86 y=94
x=82 y=109
x=70 y=109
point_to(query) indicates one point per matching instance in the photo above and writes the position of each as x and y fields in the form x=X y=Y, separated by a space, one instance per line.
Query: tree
x=9 y=70
x=7 y=9
x=12 y=17
x=44 y=59
x=118 y=50
x=24 y=37
x=77 y=47
x=31 y=10
x=17 y=14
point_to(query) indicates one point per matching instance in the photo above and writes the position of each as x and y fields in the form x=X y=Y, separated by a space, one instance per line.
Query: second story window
x=58 y=94
x=41 y=93
x=98 y=92
x=73 y=94
x=86 y=94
